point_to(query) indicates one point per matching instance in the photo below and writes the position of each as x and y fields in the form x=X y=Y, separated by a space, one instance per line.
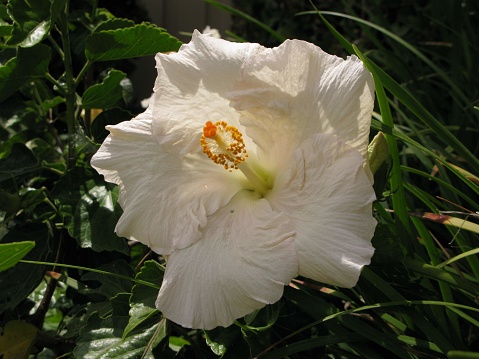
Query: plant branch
x=70 y=87
x=58 y=86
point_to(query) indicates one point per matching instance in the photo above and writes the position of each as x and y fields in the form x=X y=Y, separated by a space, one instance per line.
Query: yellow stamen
x=223 y=144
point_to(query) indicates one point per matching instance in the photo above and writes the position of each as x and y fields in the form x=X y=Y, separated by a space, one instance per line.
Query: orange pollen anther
x=209 y=130
x=223 y=144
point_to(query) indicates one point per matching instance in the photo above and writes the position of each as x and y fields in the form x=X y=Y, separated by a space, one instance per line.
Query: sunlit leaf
x=114 y=24
x=107 y=94
x=18 y=282
x=142 y=301
x=102 y=338
x=31 y=21
x=11 y=253
x=124 y=43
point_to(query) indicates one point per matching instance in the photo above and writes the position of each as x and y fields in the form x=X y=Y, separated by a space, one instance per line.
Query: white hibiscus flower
x=248 y=168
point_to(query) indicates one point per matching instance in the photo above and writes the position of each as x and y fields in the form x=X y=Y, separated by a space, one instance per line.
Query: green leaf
x=90 y=210
x=396 y=180
x=311 y=343
x=114 y=24
x=110 y=286
x=29 y=64
x=457 y=354
x=142 y=301
x=151 y=272
x=411 y=103
x=95 y=219
x=107 y=94
x=220 y=340
x=9 y=203
x=17 y=339
x=6 y=30
x=18 y=282
x=111 y=116
x=51 y=103
x=3 y=12
x=19 y=162
x=31 y=21
x=378 y=152
x=139 y=40
x=44 y=151
x=441 y=275
x=102 y=338
x=11 y=253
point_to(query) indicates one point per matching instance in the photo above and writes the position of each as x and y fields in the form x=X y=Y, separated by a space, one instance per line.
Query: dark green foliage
x=64 y=77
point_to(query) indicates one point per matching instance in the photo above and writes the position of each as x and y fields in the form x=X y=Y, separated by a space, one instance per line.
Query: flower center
x=224 y=145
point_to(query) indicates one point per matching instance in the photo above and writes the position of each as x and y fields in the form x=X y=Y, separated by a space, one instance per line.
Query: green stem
x=69 y=88
x=56 y=46
x=94 y=10
x=137 y=281
x=58 y=86
x=82 y=72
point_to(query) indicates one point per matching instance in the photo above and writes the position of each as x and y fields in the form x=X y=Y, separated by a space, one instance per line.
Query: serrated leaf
x=107 y=94
x=17 y=339
x=114 y=24
x=151 y=272
x=111 y=286
x=11 y=253
x=142 y=301
x=139 y=40
x=20 y=281
x=29 y=64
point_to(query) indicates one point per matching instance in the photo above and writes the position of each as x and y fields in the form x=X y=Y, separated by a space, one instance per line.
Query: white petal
x=190 y=90
x=329 y=197
x=165 y=200
x=242 y=263
x=312 y=91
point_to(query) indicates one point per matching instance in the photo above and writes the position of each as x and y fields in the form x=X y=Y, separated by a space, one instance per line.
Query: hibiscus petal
x=242 y=263
x=165 y=200
x=329 y=197
x=190 y=90
x=309 y=91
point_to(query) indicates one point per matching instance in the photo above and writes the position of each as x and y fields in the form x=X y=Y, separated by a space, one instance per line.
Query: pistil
x=224 y=145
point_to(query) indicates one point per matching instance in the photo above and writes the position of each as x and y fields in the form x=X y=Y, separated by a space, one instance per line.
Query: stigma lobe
x=209 y=130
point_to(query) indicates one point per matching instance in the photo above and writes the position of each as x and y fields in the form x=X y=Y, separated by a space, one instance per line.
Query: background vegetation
x=418 y=299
